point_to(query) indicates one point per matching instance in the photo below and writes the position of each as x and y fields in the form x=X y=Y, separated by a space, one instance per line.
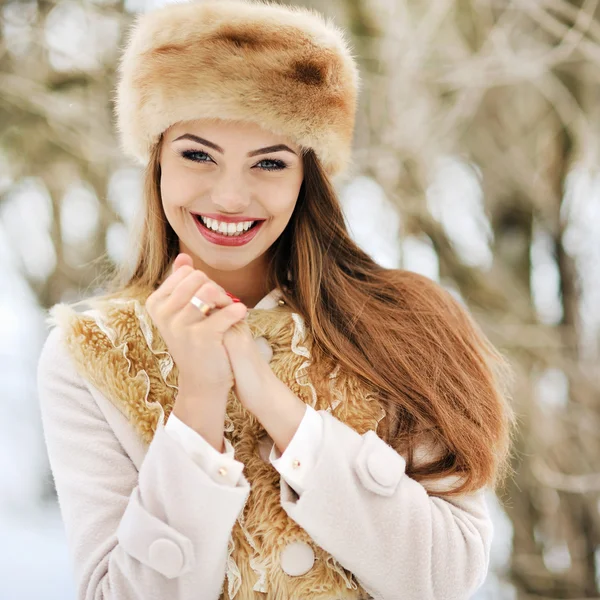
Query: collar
x=270 y=300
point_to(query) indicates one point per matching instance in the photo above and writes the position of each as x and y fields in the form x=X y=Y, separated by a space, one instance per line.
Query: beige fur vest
x=118 y=349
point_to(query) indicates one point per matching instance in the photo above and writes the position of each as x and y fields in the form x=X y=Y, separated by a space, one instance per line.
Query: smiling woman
x=332 y=435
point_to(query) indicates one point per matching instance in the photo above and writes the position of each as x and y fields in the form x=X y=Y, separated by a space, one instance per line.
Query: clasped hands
x=257 y=388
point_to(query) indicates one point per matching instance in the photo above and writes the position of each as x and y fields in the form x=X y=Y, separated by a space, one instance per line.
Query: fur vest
x=118 y=349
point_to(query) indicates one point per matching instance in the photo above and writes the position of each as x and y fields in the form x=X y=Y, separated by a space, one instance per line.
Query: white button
x=381 y=468
x=166 y=557
x=264 y=348
x=297 y=558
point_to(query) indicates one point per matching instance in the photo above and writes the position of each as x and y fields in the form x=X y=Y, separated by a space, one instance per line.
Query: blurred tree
x=56 y=119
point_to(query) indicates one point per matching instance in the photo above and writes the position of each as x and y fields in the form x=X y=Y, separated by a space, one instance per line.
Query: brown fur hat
x=287 y=68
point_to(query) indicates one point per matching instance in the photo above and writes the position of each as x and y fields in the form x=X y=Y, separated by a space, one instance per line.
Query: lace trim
x=112 y=336
x=337 y=567
x=335 y=393
x=382 y=413
x=299 y=335
x=166 y=362
x=256 y=564
x=228 y=425
x=234 y=577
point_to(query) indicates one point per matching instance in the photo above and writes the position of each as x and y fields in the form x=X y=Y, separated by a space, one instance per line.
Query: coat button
x=297 y=558
x=381 y=469
x=166 y=557
x=264 y=348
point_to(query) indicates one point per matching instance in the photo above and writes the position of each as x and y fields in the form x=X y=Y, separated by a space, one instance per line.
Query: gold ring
x=202 y=306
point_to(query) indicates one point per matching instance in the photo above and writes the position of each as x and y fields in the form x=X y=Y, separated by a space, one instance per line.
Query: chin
x=223 y=264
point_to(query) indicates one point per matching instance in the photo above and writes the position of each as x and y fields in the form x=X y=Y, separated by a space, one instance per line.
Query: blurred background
x=476 y=164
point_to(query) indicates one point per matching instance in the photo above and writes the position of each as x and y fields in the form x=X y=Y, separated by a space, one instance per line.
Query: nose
x=230 y=194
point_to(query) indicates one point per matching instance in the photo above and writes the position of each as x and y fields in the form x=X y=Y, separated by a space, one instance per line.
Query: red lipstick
x=224 y=240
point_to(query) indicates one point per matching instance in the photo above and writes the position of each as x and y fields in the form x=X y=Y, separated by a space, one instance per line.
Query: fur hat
x=286 y=68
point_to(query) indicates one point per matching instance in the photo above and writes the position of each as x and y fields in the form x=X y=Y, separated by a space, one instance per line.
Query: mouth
x=227 y=238
x=230 y=230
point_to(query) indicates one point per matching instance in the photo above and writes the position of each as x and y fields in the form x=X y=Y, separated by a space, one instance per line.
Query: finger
x=186 y=288
x=210 y=293
x=180 y=260
x=197 y=284
x=167 y=287
x=213 y=294
x=219 y=322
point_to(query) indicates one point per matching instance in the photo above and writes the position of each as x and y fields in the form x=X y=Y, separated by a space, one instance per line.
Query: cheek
x=177 y=189
x=282 y=202
x=281 y=214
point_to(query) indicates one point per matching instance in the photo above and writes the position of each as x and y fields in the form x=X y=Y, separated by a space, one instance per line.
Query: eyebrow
x=195 y=138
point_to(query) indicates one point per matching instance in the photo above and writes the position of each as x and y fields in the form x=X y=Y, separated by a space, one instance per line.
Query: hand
x=196 y=344
x=251 y=372
x=259 y=390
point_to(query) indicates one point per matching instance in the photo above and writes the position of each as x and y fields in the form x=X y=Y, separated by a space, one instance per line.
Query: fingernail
x=233 y=297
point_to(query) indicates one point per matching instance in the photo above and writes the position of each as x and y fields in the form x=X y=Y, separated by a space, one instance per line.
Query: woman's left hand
x=251 y=371
x=259 y=390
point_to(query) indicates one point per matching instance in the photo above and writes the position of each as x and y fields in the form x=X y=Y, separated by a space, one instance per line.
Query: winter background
x=477 y=166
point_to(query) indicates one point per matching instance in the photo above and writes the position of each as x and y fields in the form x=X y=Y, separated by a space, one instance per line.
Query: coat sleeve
x=303 y=448
x=160 y=533
x=359 y=505
x=204 y=455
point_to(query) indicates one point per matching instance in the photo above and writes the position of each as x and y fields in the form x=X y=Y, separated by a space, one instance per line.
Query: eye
x=200 y=156
x=194 y=154
x=279 y=164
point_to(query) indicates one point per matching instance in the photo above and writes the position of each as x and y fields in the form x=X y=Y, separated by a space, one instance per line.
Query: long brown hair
x=436 y=373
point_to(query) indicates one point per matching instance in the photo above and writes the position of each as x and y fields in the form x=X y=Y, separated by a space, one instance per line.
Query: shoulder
x=67 y=391
x=54 y=352
x=55 y=366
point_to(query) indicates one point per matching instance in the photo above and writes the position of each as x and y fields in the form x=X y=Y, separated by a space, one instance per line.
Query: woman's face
x=232 y=172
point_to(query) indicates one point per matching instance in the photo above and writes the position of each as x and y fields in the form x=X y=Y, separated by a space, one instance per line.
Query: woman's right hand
x=195 y=342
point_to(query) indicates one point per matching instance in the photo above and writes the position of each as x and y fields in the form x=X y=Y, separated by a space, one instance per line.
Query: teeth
x=228 y=229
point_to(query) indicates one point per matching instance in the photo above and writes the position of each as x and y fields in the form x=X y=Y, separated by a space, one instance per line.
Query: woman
x=260 y=410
